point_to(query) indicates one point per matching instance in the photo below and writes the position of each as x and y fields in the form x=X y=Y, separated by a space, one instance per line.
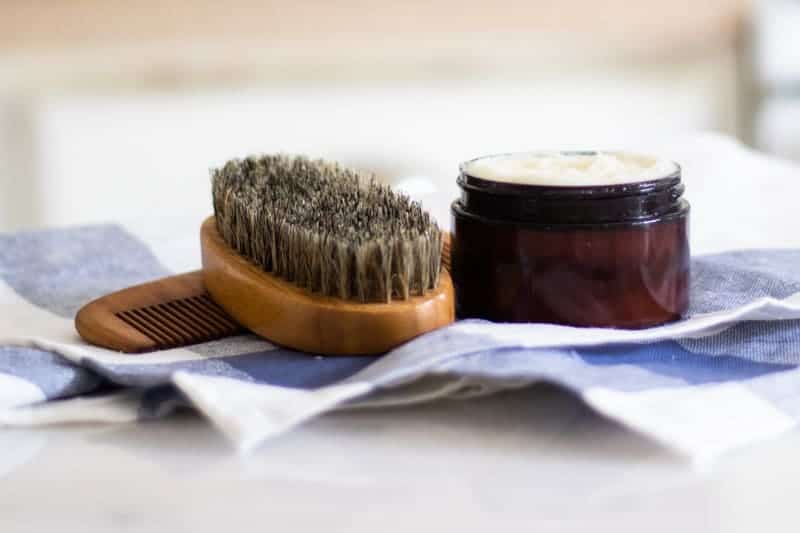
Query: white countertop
x=535 y=458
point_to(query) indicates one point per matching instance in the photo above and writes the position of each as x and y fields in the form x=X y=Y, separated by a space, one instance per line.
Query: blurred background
x=112 y=110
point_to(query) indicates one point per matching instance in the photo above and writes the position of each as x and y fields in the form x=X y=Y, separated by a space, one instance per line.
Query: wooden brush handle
x=291 y=316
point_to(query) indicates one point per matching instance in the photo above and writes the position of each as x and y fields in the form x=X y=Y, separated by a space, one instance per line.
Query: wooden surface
x=291 y=316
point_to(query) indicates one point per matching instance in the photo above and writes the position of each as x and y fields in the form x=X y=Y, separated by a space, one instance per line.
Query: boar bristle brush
x=305 y=253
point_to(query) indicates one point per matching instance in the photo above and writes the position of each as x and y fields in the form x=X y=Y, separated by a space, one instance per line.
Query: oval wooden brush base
x=293 y=317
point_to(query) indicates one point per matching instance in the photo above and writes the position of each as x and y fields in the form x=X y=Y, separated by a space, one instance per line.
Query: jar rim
x=591 y=204
x=670 y=179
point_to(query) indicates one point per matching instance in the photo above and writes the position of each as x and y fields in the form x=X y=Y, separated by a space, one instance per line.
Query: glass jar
x=602 y=253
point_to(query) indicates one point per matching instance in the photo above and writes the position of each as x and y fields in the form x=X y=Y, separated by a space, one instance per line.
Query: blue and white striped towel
x=727 y=376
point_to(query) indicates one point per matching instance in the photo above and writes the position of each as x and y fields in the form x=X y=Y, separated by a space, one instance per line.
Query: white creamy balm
x=570 y=169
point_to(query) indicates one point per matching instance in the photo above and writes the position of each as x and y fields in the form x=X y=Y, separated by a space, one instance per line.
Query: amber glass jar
x=604 y=254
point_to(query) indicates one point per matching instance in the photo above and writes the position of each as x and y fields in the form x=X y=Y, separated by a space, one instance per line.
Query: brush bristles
x=332 y=230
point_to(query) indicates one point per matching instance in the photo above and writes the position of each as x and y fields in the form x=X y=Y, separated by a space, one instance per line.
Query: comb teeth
x=181 y=322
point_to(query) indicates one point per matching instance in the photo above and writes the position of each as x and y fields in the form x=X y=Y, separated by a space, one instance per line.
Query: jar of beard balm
x=580 y=238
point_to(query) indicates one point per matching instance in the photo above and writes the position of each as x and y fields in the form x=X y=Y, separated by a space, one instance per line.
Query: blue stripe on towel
x=670 y=359
x=622 y=368
x=281 y=367
x=732 y=279
x=771 y=342
x=56 y=377
x=60 y=270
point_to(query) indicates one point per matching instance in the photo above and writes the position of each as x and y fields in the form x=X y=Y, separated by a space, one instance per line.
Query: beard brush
x=304 y=253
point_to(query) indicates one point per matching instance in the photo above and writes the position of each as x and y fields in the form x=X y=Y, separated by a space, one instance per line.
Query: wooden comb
x=231 y=295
